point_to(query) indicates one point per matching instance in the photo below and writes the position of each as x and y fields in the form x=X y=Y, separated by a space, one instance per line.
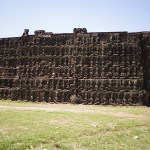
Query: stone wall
x=80 y=67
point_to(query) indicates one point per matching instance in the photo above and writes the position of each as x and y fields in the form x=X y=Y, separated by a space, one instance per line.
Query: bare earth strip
x=74 y=108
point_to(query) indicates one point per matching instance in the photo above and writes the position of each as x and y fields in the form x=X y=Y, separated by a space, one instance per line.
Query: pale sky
x=61 y=16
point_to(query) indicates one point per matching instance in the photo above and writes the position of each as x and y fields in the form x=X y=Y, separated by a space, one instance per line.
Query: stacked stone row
x=86 y=97
x=99 y=68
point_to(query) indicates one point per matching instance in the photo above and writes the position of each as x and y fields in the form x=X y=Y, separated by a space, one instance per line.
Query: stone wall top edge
x=71 y=34
x=15 y=38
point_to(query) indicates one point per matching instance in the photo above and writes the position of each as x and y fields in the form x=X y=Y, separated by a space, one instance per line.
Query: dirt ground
x=111 y=110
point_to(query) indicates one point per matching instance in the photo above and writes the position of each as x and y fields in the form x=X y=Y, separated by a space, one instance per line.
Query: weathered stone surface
x=80 y=67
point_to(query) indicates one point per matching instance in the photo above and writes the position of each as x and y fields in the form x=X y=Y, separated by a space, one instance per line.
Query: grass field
x=39 y=126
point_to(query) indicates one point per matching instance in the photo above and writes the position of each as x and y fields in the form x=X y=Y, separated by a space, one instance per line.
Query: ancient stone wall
x=89 y=68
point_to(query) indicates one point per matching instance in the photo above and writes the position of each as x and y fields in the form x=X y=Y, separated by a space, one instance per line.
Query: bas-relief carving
x=97 y=68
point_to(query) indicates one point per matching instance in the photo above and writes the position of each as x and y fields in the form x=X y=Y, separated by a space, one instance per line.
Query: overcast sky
x=61 y=16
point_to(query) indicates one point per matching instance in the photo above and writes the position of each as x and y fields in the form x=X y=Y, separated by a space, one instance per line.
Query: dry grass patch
x=68 y=127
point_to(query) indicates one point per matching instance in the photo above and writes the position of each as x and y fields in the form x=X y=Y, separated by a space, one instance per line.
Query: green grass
x=75 y=127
